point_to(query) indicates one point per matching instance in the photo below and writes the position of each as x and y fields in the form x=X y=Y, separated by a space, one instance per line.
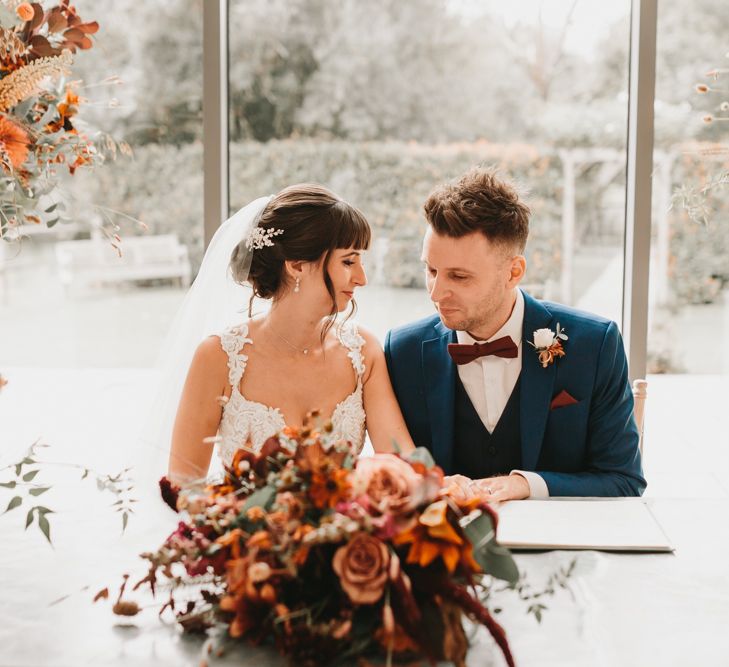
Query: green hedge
x=389 y=181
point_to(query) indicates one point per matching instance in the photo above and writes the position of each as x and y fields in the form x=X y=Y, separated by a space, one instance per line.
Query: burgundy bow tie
x=501 y=347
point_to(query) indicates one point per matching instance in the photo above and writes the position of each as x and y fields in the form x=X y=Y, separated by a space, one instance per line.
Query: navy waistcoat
x=478 y=453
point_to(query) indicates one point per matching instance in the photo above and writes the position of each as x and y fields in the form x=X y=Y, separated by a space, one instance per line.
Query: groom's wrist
x=537 y=486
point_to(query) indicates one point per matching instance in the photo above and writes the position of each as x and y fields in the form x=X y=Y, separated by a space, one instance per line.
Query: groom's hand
x=498 y=489
x=461 y=488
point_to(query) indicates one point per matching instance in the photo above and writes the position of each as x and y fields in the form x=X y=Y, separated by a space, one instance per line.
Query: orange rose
x=25 y=12
x=362 y=566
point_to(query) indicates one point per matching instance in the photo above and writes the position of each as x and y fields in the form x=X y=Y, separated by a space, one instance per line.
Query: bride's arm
x=199 y=412
x=385 y=422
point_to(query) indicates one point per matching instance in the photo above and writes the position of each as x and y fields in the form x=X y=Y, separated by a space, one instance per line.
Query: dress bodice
x=251 y=422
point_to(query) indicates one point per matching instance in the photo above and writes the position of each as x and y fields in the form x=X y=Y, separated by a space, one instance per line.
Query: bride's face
x=346 y=273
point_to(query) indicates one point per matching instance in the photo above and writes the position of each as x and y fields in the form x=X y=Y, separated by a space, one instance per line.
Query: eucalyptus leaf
x=489 y=554
x=9 y=485
x=125 y=520
x=14 y=502
x=261 y=498
x=45 y=527
x=28 y=477
x=47 y=117
x=44 y=510
x=29 y=517
x=421 y=455
x=21 y=110
x=40 y=490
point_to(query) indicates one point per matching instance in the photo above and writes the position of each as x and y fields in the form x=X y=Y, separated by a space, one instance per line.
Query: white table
x=648 y=609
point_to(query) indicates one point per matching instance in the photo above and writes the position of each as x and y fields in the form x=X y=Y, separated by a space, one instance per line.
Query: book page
x=622 y=524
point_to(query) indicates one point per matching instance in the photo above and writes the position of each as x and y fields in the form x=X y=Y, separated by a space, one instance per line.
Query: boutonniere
x=548 y=345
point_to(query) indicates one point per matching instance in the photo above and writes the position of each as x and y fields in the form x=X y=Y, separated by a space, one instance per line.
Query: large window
x=80 y=304
x=382 y=101
x=689 y=315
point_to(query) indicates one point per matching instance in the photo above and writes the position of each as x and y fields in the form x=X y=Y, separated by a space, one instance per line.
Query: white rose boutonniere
x=548 y=344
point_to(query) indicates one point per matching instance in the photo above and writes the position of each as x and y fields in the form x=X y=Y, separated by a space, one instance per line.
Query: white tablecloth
x=622 y=609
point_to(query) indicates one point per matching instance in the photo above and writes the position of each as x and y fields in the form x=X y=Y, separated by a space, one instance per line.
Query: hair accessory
x=258 y=238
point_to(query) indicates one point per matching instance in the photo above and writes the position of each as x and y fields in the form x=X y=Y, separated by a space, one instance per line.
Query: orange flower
x=232 y=539
x=328 y=490
x=14 y=142
x=25 y=12
x=434 y=536
x=547 y=356
x=260 y=539
x=69 y=107
x=302 y=553
x=255 y=514
x=66 y=109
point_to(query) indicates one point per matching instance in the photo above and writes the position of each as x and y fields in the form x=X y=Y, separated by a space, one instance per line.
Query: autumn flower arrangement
x=39 y=133
x=328 y=557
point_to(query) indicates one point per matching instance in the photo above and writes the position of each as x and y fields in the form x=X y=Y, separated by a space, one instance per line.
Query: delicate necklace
x=304 y=350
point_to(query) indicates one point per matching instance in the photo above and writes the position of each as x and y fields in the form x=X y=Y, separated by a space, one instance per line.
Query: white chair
x=640 y=392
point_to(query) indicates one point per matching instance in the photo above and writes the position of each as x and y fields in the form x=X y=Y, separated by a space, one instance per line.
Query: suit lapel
x=439 y=372
x=536 y=384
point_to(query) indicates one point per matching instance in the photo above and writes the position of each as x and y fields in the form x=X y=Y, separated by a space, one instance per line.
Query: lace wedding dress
x=250 y=421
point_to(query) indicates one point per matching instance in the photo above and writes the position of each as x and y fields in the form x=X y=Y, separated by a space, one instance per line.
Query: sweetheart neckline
x=277 y=410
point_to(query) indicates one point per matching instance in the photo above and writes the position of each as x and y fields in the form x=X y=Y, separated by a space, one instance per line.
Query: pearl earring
x=298 y=283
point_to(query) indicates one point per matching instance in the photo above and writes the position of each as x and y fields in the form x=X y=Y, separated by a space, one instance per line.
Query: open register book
x=621 y=524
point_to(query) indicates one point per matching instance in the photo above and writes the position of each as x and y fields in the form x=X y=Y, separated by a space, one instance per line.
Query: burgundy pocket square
x=561 y=400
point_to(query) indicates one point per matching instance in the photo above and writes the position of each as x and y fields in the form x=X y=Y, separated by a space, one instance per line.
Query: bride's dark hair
x=315 y=222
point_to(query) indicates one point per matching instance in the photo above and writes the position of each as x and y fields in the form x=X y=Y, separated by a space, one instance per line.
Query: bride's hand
x=499 y=489
x=461 y=488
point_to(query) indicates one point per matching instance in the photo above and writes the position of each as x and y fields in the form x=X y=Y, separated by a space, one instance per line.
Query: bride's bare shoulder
x=210 y=353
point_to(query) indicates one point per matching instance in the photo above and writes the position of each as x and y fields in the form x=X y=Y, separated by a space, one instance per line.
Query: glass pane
x=66 y=298
x=381 y=101
x=689 y=315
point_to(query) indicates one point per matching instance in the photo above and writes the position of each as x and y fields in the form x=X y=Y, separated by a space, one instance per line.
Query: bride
x=301 y=250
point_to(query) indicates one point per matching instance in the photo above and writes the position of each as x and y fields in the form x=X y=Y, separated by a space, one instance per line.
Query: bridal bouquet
x=329 y=557
x=39 y=133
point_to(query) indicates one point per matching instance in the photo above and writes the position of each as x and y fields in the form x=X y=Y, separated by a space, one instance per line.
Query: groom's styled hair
x=479 y=202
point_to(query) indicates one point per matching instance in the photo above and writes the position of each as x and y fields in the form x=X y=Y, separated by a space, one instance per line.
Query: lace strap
x=232 y=341
x=350 y=337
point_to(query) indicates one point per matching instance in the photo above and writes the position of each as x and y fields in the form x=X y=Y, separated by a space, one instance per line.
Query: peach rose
x=362 y=566
x=391 y=485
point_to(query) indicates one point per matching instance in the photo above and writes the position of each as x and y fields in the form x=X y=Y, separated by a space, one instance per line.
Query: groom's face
x=470 y=280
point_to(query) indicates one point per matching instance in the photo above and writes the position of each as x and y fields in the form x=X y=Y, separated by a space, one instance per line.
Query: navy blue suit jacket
x=589 y=448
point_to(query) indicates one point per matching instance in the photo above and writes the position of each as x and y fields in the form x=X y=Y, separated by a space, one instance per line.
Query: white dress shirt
x=489 y=382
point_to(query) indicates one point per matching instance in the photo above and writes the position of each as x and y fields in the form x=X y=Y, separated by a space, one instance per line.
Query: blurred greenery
x=383 y=99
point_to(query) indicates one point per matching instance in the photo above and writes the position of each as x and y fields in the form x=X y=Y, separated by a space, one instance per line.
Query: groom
x=523 y=421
